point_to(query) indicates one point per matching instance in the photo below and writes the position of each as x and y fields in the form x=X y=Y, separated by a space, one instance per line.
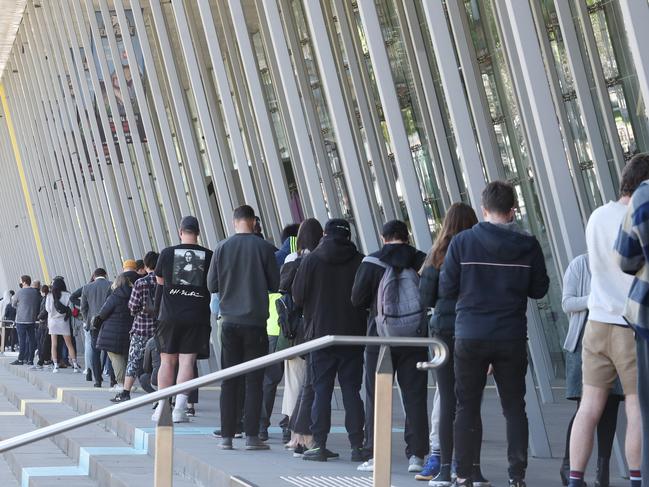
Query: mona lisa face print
x=189 y=267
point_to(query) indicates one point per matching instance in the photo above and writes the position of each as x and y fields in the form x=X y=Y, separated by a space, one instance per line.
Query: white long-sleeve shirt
x=609 y=285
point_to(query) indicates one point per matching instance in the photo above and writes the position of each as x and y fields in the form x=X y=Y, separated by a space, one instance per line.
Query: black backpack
x=290 y=318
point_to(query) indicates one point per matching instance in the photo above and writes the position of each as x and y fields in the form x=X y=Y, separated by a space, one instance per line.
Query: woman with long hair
x=298 y=389
x=114 y=322
x=459 y=217
x=59 y=314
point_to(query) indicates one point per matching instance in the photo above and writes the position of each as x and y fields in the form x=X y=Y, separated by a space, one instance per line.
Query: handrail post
x=383 y=419
x=164 y=448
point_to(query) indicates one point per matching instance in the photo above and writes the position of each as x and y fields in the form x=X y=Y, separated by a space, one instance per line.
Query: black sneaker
x=360 y=455
x=31 y=362
x=331 y=455
x=191 y=412
x=316 y=454
x=299 y=451
x=464 y=483
x=286 y=435
x=88 y=375
x=16 y=362
x=517 y=483
x=263 y=435
x=121 y=397
x=254 y=443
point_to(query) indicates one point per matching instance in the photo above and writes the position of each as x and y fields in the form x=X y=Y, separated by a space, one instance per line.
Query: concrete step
x=90 y=454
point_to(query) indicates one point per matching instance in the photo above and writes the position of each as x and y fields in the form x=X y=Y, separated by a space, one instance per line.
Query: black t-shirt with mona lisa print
x=185 y=298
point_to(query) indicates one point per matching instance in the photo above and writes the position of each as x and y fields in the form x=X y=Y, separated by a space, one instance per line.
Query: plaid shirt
x=144 y=324
x=632 y=252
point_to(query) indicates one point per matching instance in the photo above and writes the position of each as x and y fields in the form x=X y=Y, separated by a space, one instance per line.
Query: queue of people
x=470 y=290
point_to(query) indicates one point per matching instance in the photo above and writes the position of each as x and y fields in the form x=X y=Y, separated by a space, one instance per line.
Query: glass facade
x=129 y=114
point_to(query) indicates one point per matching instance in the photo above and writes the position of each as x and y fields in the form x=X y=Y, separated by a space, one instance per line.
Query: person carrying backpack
x=387 y=284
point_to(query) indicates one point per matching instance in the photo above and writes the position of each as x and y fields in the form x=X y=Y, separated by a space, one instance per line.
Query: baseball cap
x=190 y=224
x=338 y=227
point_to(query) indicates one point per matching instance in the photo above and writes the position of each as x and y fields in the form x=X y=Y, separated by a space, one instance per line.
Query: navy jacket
x=492 y=270
x=114 y=334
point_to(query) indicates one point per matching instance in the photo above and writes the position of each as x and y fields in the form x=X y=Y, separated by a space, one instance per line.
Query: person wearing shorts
x=608 y=344
x=183 y=330
x=144 y=324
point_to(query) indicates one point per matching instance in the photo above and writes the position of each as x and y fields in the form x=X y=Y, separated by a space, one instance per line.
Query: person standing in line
x=396 y=253
x=114 y=322
x=297 y=401
x=129 y=269
x=27 y=302
x=142 y=307
x=75 y=299
x=491 y=270
x=273 y=374
x=632 y=249
x=243 y=272
x=140 y=268
x=609 y=348
x=58 y=310
x=323 y=288
x=42 y=333
x=93 y=297
x=460 y=217
x=576 y=288
x=183 y=330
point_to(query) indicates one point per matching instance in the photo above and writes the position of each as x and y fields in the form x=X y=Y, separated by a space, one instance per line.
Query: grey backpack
x=399 y=310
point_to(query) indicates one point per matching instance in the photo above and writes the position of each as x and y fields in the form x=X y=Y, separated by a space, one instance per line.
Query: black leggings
x=447 y=404
x=605 y=428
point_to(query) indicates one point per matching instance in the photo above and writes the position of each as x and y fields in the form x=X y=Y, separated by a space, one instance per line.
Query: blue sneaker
x=430 y=470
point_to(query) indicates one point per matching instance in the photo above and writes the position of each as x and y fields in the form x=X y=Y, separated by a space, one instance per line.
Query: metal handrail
x=438 y=349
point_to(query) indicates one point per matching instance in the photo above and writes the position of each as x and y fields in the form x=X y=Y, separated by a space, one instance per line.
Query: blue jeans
x=26 y=341
x=87 y=349
x=347 y=364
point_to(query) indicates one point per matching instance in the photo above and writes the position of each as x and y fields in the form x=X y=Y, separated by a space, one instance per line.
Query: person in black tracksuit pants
x=492 y=270
x=413 y=383
x=323 y=288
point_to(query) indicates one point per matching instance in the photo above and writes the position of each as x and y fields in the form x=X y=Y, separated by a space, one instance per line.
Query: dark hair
x=395 y=230
x=244 y=212
x=26 y=279
x=100 y=272
x=12 y=292
x=459 y=217
x=45 y=289
x=499 y=197
x=58 y=288
x=139 y=264
x=309 y=235
x=151 y=259
x=289 y=231
x=634 y=173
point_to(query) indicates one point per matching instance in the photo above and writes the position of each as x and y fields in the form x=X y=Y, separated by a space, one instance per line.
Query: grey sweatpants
x=642 y=347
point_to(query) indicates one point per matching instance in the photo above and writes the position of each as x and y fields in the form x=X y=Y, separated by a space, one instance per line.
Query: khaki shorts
x=608 y=352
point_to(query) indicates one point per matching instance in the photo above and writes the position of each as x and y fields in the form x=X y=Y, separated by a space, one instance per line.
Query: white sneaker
x=415 y=464
x=76 y=369
x=367 y=466
x=133 y=388
x=55 y=369
x=179 y=416
x=118 y=388
x=36 y=367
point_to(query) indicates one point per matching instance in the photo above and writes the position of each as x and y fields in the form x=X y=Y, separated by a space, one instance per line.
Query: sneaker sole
x=257 y=448
x=440 y=483
x=424 y=477
x=481 y=484
x=314 y=459
x=415 y=469
x=225 y=448
x=365 y=469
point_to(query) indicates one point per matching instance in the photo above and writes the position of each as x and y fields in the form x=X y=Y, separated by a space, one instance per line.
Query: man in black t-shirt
x=184 y=317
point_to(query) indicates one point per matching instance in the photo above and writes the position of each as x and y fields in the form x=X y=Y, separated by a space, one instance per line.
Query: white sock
x=181 y=402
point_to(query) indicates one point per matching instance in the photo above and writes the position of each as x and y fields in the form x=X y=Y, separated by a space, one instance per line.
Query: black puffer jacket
x=323 y=288
x=116 y=322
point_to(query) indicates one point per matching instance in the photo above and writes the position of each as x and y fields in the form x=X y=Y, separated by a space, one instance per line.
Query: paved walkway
x=118 y=452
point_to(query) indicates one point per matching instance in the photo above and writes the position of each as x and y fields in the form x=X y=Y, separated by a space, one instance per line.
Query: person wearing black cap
x=395 y=253
x=184 y=311
x=243 y=272
x=323 y=288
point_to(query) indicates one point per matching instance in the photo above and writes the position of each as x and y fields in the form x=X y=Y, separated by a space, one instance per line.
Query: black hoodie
x=323 y=288
x=368 y=276
x=492 y=270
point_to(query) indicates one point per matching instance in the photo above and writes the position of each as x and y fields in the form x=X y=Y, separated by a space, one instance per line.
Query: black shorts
x=187 y=339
